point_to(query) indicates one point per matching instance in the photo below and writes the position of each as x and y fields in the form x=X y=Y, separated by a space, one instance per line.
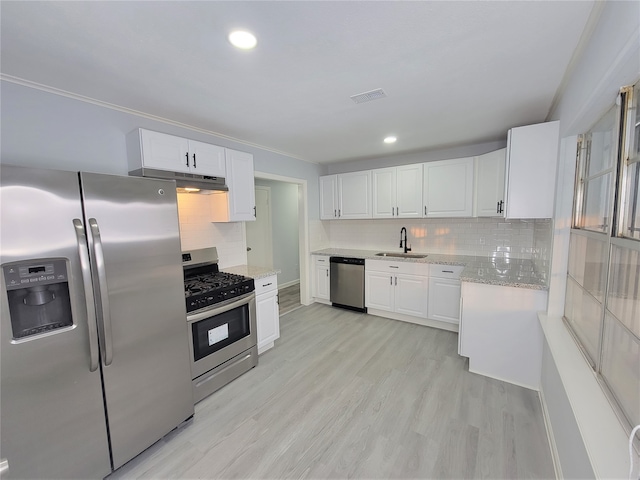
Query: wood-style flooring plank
x=349 y=395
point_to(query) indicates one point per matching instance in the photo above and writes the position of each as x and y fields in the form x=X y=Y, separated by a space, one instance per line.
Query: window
x=602 y=305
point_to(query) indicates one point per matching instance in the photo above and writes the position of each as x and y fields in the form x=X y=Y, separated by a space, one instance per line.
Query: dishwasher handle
x=347 y=260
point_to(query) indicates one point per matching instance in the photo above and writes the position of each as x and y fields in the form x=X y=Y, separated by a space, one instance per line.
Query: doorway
x=259 y=233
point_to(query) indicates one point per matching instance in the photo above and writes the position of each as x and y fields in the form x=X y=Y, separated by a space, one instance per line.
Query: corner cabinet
x=267 y=312
x=489 y=184
x=345 y=196
x=397 y=192
x=238 y=204
x=532 y=158
x=161 y=151
x=448 y=188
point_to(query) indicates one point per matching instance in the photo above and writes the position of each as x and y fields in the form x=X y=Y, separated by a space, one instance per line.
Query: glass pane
x=621 y=367
x=584 y=315
x=623 y=299
x=597 y=193
x=631 y=226
x=603 y=140
x=588 y=263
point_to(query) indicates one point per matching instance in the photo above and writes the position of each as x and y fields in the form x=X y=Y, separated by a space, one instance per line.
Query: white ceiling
x=455 y=72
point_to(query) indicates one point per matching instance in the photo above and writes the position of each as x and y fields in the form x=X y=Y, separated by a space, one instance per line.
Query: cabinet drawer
x=445 y=271
x=321 y=260
x=266 y=284
x=385 y=266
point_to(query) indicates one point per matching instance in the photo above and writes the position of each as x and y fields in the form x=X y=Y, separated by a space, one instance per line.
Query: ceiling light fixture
x=242 y=39
x=390 y=139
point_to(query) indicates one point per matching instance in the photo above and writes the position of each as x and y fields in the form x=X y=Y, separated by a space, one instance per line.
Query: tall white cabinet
x=532 y=158
x=267 y=312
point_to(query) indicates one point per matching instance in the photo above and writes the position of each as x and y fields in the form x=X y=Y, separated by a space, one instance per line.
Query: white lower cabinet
x=500 y=332
x=444 y=293
x=321 y=280
x=397 y=287
x=267 y=312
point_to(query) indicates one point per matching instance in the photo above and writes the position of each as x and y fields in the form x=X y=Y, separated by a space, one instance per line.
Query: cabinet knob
x=187 y=155
x=194 y=160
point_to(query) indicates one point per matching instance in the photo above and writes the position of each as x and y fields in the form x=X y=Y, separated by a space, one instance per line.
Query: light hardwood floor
x=289 y=298
x=349 y=395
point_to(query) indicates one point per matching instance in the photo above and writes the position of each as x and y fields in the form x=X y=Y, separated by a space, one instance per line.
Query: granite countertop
x=253 y=272
x=488 y=270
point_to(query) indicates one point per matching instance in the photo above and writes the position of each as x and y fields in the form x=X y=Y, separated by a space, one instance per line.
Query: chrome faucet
x=406 y=249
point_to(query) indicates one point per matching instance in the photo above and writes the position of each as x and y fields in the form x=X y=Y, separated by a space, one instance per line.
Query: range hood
x=187 y=182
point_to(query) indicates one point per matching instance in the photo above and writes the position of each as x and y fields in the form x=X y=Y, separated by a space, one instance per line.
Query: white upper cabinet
x=532 y=157
x=354 y=194
x=345 y=196
x=489 y=184
x=397 y=192
x=176 y=154
x=242 y=202
x=448 y=188
x=328 y=197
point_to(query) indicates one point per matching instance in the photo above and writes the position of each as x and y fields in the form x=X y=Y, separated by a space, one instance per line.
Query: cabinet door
x=354 y=194
x=489 y=191
x=383 y=182
x=322 y=282
x=165 y=152
x=532 y=156
x=444 y=300
x=411 y=295
x=328 y=197
x=239 y=178
x=379 y=290
x=207 y=159
x=267 y=319
x=448 y=188
x=409 y=191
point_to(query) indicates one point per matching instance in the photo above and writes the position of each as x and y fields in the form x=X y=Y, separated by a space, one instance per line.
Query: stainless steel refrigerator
x=93 y=338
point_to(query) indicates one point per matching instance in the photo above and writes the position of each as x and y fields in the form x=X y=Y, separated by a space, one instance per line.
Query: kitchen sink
x=400 y=255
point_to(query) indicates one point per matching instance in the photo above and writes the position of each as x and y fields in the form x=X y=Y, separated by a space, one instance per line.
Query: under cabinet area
x=175 y=154
x=398 y=287
x=321 y=278
x=267 y=312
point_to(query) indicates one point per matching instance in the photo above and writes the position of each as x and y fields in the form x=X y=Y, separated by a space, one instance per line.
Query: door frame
x=303 y=230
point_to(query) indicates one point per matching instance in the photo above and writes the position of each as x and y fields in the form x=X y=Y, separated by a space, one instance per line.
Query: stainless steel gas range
x=221 y=316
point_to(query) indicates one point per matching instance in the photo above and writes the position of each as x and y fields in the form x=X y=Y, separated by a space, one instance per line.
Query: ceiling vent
x=368 y=96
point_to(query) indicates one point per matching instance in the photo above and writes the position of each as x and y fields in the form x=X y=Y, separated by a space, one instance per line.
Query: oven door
x=222 y=332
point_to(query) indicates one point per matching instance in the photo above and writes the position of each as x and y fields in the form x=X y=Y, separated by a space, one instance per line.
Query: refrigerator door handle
x=83 y=253
x=103 y=293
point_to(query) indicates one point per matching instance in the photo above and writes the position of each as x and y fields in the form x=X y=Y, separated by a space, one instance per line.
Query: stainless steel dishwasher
x=347 y=283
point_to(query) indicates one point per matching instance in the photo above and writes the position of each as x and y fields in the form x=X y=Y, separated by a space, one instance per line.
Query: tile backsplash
x=525 y=239
x=197 y=230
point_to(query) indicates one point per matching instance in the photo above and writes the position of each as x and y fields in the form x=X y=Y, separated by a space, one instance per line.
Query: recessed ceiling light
x=242 y=39
x=390 y=139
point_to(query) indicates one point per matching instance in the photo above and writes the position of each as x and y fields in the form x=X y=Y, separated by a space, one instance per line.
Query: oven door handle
x=221 y=308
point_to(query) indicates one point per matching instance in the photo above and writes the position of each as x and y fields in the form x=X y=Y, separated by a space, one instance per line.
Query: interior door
x=259 y=233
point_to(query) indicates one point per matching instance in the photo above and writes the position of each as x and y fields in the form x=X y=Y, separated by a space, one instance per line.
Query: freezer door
x=139 y=288
x=52 y=421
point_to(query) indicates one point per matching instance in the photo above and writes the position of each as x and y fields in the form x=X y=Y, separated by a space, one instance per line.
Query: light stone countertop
x=253 y=272
x=491 y=271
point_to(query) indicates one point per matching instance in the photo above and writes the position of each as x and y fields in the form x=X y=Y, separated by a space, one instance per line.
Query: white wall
x=609 y=60
x=43 y=129
x=284 y=222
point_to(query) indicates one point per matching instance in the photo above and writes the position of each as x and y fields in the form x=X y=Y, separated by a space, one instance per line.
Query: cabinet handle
x=497 y=207
x=327 y=273
x=393 y=266
x=501 y=203
x=255 y=215
x=187 y=155
x=266 y=284
x=447 y=271
x=335 y=213
x=194 y=160
x=391 y=281
x=396 y=281
x=339 y=213
x=425 y=211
